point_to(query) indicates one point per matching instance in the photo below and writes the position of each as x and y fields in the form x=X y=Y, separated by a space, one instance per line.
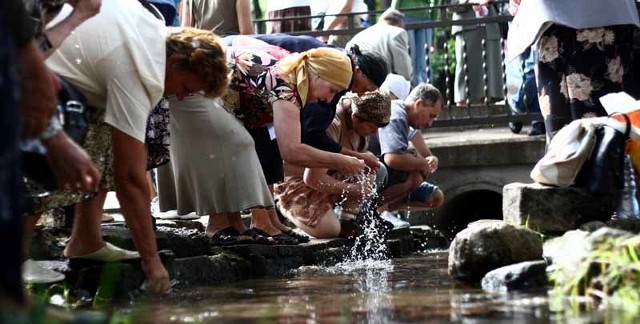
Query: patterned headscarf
x=372 y=106
x=328 y=63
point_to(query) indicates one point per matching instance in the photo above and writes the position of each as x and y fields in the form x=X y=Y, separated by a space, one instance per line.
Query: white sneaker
x=155 y=205
x=392 y=218
x=35 y=272
x=173 y=215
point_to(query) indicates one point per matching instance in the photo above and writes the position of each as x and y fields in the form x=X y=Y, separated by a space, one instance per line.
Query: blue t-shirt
x=394 y=138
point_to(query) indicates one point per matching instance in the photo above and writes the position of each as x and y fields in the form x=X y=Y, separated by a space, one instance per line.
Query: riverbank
x=191 y=259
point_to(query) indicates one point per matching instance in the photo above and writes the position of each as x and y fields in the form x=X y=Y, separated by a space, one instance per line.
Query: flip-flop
x=280 y=238
x=259 y=236
x=300 y=237
x=230 y=236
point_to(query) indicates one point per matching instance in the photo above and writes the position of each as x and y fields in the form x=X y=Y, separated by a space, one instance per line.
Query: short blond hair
x=204 y=54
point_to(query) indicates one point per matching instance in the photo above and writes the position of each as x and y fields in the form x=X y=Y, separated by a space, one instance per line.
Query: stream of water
x=414 y=289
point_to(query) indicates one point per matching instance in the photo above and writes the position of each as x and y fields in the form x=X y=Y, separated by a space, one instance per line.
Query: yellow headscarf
x=328 y=63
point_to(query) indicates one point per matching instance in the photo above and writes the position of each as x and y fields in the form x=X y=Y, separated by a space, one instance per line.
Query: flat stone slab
x=191 y=259
x=552 y=209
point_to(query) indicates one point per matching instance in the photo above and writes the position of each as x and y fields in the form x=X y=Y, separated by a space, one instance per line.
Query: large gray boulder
x=486 y=245
x=552 y=209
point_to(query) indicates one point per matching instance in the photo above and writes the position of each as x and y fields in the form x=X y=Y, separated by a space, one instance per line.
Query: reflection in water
x=377 y=301
x=416 y=289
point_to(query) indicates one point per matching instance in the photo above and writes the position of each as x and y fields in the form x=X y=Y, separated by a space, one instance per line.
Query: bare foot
x=267 y=228
x=261 y=219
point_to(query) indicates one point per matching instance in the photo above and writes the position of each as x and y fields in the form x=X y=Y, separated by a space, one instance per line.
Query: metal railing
x=442 y=74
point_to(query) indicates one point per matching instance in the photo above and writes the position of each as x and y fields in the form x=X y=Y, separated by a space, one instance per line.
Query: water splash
x=370 y=246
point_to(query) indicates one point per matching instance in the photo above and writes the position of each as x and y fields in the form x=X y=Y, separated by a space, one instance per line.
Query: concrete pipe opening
x=467 y=207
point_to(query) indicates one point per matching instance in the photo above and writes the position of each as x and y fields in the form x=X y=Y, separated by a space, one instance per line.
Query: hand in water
x=370 y=160
x=351 y=165
x=157 y=282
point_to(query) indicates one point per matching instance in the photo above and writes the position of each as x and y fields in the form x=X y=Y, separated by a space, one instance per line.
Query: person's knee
x=382 y=176
x=327 y=227
x=414 y=180
x=323 y=230
x=437 y=199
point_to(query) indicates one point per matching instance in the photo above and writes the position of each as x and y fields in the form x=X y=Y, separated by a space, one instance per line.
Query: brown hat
x=372 y=106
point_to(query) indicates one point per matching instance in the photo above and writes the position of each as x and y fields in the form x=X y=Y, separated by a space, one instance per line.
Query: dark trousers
x=10 y=174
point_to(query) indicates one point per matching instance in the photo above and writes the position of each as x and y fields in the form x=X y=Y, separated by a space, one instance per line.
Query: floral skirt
x=576 y=67
x=98 y=145
x=306 y=204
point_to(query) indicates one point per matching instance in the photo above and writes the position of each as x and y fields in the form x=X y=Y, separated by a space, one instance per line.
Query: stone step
x=553 y=210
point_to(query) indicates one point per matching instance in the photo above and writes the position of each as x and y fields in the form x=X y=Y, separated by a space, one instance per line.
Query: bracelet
x=53 y=129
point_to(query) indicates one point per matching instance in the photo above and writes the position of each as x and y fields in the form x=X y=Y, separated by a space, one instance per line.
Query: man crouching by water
x=409 y=169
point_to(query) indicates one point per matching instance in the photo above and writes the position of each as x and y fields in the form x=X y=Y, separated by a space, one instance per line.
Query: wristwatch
x=53 y=129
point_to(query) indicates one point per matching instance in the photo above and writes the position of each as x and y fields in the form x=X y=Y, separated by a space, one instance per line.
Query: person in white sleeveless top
x=124 y=61
x=334 y=22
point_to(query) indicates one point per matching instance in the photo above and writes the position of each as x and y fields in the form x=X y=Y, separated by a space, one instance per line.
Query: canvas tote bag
x=566 y=154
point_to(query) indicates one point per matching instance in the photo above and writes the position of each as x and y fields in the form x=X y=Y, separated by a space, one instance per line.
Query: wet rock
x=592 y=226
x=280 y=266
x=207 y=270
x=572 y=256
x=600 y=236
x=569 y=250
x=119 y=235
x=197 y=262
x=427 y=238
x=519 y=276
x=186 y=242
x=632 y=224
x=329 y=256
x=184 y=224
x=291 y=250
x=552 y=209
x=48 y=243
x=401 y=246
x=245 y=250
x=486 y=245
x=570 y=247
x=111 y=280
x=399 y=233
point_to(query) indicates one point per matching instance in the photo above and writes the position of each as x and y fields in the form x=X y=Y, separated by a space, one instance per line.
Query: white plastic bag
x=566 y=154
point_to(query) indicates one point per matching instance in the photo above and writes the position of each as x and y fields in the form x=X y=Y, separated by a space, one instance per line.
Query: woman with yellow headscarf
x=269 y=86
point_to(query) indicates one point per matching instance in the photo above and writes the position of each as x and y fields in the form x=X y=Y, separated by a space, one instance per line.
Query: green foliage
x=608 y=275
